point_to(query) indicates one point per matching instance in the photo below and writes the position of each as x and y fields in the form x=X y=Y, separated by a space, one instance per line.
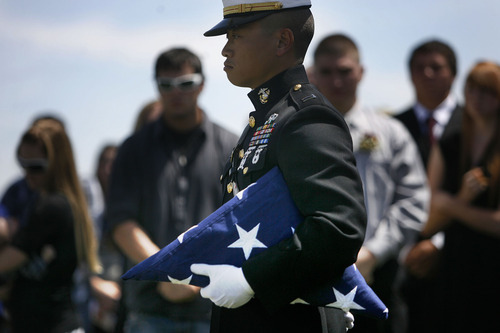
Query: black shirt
x=40 y=299
x=167 y=183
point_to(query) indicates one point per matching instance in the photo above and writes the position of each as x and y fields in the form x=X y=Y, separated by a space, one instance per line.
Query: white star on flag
x=180 y=238
x=175 y=281
x=345 y=302
x=299 y=301
x=247 y=223
x=248 y=240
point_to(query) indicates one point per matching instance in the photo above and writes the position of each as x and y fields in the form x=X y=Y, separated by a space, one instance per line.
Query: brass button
x=297 y=87
x=251 y=121
x=230 y=187
x=242 y=153
x=245 y=170
x=221 y=177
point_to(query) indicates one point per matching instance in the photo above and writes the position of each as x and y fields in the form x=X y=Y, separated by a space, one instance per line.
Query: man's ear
x=286 y=40
x=361 y=73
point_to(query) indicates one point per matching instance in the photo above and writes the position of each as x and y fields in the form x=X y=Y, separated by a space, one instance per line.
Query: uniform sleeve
x=316 y=159
x=51 y=217
x=407 y=212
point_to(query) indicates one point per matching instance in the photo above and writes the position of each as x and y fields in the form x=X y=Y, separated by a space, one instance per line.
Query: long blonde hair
x=61 y=176
x=484 y=75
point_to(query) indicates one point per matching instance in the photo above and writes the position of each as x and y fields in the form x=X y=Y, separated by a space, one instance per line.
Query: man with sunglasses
x=165 y=179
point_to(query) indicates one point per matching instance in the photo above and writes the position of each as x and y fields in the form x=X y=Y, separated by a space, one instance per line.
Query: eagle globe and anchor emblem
x=264 y=95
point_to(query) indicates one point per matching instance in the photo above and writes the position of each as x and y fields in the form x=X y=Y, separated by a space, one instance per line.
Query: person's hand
x=227 y=288
x=366 y=263
x=422 y=260
x=349 y=320
x=4 y=232
x=474 y=182
x=177 y=293
x=107 y=292
x=107 y=295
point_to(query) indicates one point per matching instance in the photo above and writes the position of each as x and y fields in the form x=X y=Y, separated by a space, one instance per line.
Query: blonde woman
x=58 y=235
x=464 y=174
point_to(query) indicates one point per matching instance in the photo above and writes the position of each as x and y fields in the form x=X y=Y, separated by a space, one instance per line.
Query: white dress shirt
x=394 y=181
x=442 y=114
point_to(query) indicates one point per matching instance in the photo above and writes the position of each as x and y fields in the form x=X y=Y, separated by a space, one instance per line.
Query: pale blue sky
x=91 y=61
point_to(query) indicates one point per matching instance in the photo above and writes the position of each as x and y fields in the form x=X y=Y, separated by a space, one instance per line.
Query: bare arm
x=137 y=246
x=437 y=219
x=422 y=259
x=480 y=219
x=366 y=263
x=11 y=258
x=4 y=231
x=134 y=242
x=445 y=207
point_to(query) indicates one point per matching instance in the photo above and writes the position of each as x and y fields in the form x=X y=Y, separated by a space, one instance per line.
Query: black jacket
x=295 y=128
x=409 y=119
x=150 y=185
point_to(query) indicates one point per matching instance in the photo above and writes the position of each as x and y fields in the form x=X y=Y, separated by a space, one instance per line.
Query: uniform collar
x=271 y=92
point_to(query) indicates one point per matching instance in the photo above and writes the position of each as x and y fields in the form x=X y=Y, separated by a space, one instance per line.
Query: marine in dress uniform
x=295 y=128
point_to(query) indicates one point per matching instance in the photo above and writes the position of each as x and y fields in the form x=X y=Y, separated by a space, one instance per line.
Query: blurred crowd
x=431 y=178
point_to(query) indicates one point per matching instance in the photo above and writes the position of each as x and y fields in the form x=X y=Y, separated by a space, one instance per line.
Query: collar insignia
x=264 y=95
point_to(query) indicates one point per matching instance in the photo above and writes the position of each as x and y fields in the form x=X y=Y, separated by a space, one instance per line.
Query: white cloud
x=99 y=39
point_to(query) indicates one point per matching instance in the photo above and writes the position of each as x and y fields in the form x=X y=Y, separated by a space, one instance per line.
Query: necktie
x=430 y=129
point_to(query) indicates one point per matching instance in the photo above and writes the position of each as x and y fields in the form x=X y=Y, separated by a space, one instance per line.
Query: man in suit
x=433 y=68
x=435 y=115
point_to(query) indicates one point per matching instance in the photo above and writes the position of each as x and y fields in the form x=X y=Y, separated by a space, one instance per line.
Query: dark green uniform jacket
x=295 y=128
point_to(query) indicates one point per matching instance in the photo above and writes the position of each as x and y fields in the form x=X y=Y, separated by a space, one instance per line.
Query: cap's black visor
x=234 y=22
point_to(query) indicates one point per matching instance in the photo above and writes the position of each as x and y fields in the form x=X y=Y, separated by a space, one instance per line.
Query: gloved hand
x=349 y=320
x=227 y=288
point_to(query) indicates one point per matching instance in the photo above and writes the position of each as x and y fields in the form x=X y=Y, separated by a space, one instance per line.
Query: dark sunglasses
x=33 y=165
x=184 y=83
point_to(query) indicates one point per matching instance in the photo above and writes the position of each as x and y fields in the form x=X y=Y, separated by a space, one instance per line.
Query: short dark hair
x=175 y=59
x=299 y=21
x=336 y=45
x=435 y=46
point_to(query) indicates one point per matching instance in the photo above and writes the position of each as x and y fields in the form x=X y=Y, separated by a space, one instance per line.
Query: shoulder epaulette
x=303 y=95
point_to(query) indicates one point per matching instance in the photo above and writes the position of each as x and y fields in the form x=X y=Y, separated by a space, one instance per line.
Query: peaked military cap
x=240 y=12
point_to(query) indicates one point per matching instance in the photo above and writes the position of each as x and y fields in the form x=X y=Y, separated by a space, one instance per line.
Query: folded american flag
x=256 y=218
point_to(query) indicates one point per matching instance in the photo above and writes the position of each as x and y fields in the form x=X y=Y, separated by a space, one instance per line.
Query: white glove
x=227 y=288
x=349 y=320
